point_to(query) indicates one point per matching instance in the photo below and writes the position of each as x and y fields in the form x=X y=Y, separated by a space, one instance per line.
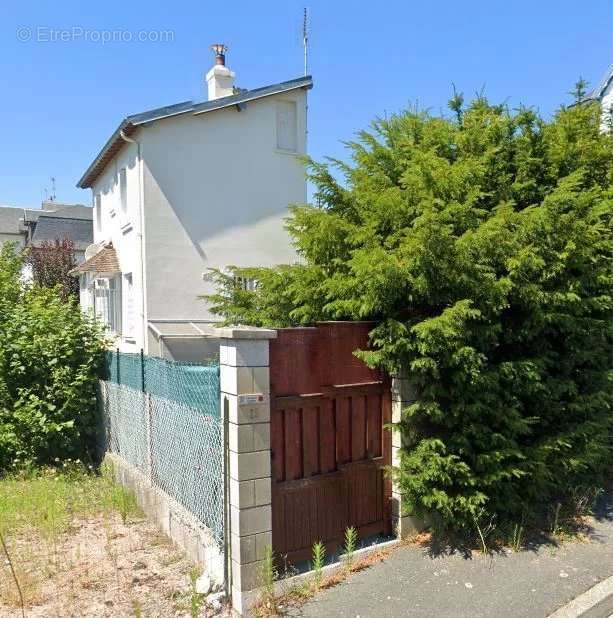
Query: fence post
x=118 y=361
x=402 y=396
x=148 y=418
x=245 y=384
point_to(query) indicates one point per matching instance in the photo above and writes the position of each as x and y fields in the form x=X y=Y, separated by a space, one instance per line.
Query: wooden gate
x=328 y=443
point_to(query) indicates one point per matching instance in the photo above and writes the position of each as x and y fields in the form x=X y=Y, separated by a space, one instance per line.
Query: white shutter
x=287 y=138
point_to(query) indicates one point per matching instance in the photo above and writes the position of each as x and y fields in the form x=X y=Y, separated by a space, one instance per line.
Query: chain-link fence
x=163 y=417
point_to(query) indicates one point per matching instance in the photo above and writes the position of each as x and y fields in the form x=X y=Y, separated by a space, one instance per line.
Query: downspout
x=141 y=208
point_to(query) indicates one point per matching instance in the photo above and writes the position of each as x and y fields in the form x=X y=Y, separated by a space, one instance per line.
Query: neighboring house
x=604 y=93
x=188 y=187
x=30 y=227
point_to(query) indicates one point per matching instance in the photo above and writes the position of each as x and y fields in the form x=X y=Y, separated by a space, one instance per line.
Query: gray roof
x=71 y=220
x=599 y=91
x=49 y=228
x=11 y=220
x=129 y=125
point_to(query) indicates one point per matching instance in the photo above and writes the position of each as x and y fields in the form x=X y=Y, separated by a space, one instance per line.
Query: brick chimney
x=220 y=80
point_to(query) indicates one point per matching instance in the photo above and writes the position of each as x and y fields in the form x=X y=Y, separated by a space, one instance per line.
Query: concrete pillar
x=402 y=396
x=245 y=383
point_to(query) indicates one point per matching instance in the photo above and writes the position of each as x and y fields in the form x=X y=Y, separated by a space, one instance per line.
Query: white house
x=188 y=187
x=604 y=93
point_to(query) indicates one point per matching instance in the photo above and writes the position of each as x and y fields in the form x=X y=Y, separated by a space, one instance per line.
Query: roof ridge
x=129 y=125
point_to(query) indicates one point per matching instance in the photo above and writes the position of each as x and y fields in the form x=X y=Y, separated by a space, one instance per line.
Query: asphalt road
x=417 y=582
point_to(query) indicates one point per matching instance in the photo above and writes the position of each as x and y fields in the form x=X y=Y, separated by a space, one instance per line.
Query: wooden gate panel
x=328 y=446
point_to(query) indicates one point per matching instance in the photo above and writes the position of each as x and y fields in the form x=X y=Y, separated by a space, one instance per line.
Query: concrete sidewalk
x=530 y=583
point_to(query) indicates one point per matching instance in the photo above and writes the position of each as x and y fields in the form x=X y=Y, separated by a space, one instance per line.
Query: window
x=128 y=303
x=287 y=138
x=107 y=303
x=98 y=211
x=246 y=283
x=123 y=190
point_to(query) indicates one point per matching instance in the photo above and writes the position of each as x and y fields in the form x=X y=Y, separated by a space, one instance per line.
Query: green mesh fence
x=163 y=418
x=194 y=385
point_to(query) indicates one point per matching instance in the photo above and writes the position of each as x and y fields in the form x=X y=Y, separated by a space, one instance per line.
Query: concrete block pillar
x=245 y=384
x=402 y=396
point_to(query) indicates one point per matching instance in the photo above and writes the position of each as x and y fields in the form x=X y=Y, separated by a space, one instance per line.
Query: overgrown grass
x=37 y=508
x=45 y=501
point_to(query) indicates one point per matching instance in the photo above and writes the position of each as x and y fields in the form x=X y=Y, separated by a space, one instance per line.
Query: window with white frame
x=98 y=211
x=106 y=302
x=287 y=129
x=246 y=283
x=128 y=304
x=123 y=190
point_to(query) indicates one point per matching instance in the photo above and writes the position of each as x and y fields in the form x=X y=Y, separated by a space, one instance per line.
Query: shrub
x=51 y=264
x=482 y=245
x=50 y=356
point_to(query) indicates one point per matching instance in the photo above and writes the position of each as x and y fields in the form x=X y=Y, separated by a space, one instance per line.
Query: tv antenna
x=305 y=40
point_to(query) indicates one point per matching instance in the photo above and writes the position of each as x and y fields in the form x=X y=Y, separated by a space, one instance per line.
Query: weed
x=13 y=573
x=268 y=605
x=517 y=537
x=555 y=526
x=319 y=558
x=351 y=541
x=483 y=531
x=195 y=598
x=138 y=613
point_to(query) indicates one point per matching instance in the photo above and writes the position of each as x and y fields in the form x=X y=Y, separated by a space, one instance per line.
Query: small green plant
x=351 y=542
x=517 y=537
x=138 y=613
x=9 y=561
x=555 y=526
x=269 y=576
x=194 y=598
x=319 y=558
x=483 y=531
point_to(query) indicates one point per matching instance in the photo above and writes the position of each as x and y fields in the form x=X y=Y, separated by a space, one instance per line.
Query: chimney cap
x=220 y=50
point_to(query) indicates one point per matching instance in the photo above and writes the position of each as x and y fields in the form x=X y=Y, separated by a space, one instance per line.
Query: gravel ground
x=100 y=568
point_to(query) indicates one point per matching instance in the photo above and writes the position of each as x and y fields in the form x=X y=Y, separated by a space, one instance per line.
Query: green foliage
x=50 y=356
x=51 y=263
x=482 y=245
x=351 y=542
x=319 y=560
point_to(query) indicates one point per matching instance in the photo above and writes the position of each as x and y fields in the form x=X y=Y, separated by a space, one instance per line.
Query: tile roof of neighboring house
x=49 y=228
x=105 y=261
x=129 y=125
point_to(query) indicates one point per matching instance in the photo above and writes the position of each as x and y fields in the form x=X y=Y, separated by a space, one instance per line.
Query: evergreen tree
x=482 y=245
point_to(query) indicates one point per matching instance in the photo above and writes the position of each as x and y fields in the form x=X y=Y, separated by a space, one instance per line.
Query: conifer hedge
x=482 y=245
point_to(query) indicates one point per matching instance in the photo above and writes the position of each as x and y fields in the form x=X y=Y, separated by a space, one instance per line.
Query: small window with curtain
x=287 y=129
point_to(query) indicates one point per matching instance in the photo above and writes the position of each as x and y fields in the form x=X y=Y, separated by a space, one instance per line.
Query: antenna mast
x=305 y=40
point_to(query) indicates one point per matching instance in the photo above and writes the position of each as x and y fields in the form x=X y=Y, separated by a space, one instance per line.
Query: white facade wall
x=216 y=193
x=123 y=229
x=606 y=102
x=214 y=190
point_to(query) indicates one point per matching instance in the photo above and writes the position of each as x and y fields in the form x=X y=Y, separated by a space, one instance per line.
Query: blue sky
x=60 y=100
